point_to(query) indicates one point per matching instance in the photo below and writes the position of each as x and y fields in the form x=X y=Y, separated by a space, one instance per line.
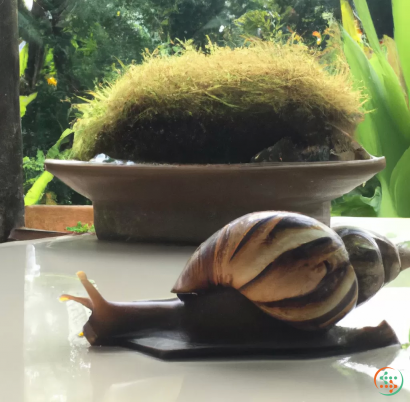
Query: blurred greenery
x=362 y=201
x=74 y=45
x=35 y=193
x=383 y=68
x=32 y=167
x=81 y=228
x=25 y=100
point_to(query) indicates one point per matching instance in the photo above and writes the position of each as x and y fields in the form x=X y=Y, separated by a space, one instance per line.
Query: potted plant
x=212 y=135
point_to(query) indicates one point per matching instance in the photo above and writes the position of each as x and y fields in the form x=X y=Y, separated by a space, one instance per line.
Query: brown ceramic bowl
x=188 y=203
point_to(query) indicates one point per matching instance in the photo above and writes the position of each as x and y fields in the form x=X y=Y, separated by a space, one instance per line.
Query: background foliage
x=382 y=67
x=73 y=45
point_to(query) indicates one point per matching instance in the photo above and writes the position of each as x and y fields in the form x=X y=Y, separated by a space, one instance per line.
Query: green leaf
x=378 y=133
x=74 y=43
x=35 y=193
x=80 y=228
x=355 y=204
x=120 y=63
x=366 y=78
x=49 y=56
x=388 y=127
x=23 y=58
x=37 y=190
x=400 y=185
x=367 y=22
x=401 y=15
x=395 y=98
x=24 y=101
x=384 y=139
x=54 y=151
x=40 y=156
x=366 y=134
x=349 y=22
x=387 y=207
x=394 y=60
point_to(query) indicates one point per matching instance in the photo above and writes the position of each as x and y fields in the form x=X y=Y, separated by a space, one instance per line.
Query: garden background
x=68 y=47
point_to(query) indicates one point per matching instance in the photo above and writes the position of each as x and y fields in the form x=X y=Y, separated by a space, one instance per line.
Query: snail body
x=266 y=272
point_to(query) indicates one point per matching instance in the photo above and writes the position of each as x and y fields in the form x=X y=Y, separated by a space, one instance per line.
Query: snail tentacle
x=110 y=321
x=95 y=300
x=94 y=294
x=85 y=301
x=103 y=317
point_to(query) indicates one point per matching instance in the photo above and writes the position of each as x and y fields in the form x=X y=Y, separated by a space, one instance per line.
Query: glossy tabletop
x=42 y=359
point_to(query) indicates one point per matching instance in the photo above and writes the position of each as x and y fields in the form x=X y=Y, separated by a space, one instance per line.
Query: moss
x=221 y=107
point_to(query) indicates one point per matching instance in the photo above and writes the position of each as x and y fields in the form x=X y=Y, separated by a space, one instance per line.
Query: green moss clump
x=221 y=107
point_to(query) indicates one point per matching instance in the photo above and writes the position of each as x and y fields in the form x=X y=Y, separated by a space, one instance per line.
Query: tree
x=11 y=191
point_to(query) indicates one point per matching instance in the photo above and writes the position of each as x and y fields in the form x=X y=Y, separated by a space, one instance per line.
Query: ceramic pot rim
x=243 y=166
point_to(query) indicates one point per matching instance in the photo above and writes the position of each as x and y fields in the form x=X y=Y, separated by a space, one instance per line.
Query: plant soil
x=227 y=138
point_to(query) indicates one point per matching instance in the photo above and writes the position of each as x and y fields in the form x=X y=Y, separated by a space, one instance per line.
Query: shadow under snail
x=263 y=274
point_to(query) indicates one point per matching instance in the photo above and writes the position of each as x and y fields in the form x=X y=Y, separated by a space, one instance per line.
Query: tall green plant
x=23 y=59
x=383 y=70
x=38 y=188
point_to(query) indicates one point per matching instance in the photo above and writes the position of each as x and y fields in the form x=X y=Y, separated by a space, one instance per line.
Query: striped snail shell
x=375 y=259
x=291 y=266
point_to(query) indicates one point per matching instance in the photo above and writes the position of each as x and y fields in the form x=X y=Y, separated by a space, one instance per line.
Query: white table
x=42 y=359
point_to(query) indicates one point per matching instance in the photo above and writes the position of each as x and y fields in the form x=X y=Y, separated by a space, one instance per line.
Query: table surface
x=43 y=360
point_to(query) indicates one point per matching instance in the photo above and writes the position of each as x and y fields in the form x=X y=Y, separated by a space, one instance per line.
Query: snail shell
x=291 y=266
x=375 y=259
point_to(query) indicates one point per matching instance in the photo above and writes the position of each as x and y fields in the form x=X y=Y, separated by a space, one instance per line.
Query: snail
x=376 y=260
x=262 y=274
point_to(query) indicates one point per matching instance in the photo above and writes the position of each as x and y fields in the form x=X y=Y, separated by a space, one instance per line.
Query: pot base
x=188 y=203
x=180 y=225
